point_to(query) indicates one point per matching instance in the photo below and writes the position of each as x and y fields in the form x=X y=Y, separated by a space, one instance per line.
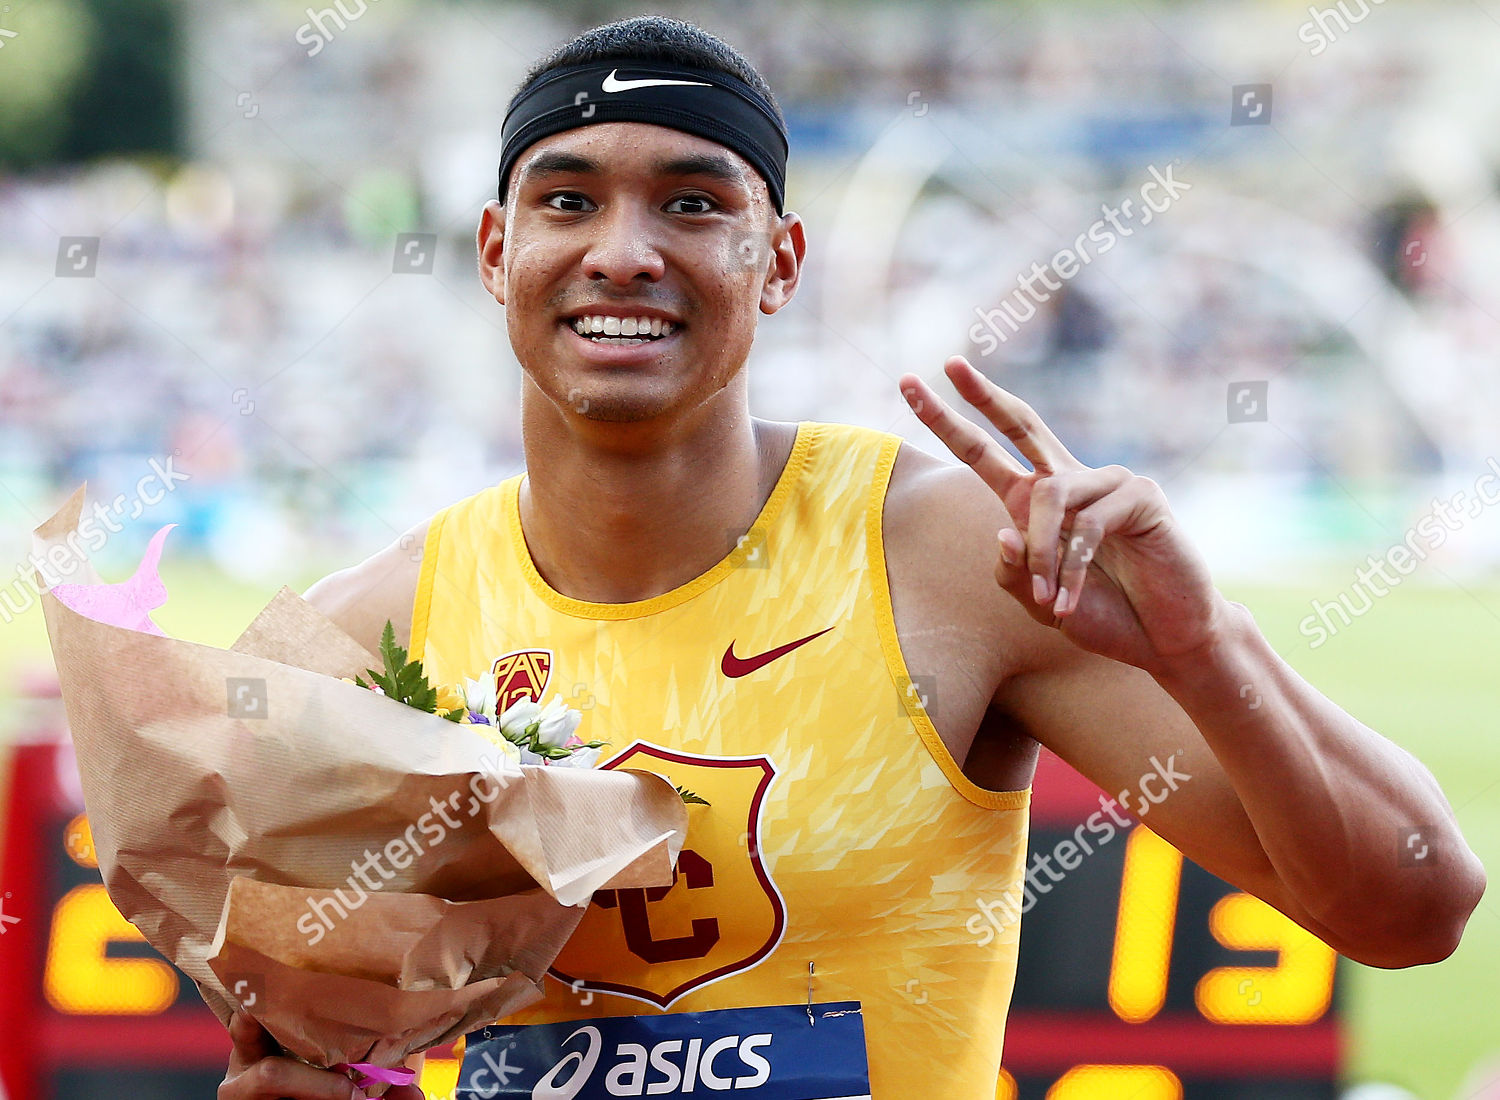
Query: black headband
x=710 y=105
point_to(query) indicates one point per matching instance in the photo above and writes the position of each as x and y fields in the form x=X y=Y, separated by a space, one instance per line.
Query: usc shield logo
x=721 y=915
x=521 y=675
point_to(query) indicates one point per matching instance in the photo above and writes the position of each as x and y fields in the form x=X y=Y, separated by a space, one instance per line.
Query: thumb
x=1012 y=575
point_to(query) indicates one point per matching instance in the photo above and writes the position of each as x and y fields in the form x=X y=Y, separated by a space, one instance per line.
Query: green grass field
x=1417 y=668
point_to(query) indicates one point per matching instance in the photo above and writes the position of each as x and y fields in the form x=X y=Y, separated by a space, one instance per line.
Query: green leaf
x=691 y=798
x=394 y=655
x=403 y=679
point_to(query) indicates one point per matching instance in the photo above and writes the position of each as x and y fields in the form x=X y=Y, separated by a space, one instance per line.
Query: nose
x=623 y=249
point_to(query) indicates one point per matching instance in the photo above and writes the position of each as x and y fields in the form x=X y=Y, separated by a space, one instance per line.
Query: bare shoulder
x=956 y=626
x=362 y=597
x=940 y=527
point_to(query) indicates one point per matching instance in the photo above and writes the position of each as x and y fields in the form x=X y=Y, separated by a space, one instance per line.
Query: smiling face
x=632 y=260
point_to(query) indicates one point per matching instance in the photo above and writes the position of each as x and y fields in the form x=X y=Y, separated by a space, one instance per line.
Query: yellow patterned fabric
x=840 y=832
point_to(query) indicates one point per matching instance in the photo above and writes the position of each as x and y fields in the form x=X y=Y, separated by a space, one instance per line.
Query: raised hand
x=1095 y=553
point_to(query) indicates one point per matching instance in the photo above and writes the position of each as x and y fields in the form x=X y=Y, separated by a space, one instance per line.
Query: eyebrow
x=701 y=164
x=695 y=164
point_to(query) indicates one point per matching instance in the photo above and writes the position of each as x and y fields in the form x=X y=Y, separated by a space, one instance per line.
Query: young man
x=852 y=648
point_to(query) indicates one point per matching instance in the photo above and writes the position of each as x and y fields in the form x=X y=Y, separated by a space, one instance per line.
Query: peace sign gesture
x=1095 y=553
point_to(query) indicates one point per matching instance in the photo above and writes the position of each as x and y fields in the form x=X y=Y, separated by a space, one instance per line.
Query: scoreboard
x=1143 y=975
x=1140 y=974
x=88 y=1008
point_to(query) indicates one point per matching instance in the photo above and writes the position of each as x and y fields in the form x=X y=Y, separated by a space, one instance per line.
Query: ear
x=491 y=242
x=788 y=246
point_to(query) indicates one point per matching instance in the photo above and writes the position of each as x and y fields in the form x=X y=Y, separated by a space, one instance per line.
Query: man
x=762 y=606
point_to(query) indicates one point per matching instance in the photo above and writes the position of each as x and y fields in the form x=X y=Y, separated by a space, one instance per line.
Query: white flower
x=479 y=696
x=529 y=757
x=516 y=717
x=581 y=758
x=558 y=721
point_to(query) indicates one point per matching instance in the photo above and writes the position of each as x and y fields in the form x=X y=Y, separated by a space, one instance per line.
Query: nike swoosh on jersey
x=734 y=667
x=613 y=84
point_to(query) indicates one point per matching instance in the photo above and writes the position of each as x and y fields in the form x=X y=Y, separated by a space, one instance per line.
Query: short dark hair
x=653 y=38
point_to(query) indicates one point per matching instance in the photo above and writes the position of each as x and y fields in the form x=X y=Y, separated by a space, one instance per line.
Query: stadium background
x=250 y=306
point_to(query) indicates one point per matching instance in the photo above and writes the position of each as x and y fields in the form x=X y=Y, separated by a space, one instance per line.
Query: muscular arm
x=1294 y=801
x=1290 y=798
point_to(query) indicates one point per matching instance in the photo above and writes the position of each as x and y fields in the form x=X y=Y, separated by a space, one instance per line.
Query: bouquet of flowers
x=364 y=877
x=525 y=732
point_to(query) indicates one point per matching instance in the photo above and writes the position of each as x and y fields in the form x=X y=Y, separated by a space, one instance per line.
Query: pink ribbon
x=366 y=1074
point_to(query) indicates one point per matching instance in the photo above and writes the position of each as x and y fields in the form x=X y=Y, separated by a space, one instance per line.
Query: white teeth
x=618 y=326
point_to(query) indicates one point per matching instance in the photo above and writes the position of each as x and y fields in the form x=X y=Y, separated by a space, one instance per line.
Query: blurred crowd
x=253 y=309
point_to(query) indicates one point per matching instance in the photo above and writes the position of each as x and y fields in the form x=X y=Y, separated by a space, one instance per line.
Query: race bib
x=771 y=1053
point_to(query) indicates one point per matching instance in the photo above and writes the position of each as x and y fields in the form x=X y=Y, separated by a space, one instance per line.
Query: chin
x=601 y=404
x=618 y=413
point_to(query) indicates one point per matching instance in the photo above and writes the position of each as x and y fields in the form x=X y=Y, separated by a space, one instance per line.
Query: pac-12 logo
x=522 y=674
x=722 y=913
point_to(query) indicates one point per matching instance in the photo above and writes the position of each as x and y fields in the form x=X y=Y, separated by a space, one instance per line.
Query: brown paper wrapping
x=231 y=792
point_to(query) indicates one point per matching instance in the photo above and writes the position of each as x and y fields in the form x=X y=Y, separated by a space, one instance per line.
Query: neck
x=617 y=513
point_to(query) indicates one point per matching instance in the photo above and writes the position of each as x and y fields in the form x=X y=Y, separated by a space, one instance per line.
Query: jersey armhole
x=421 y=608
x=890 y=645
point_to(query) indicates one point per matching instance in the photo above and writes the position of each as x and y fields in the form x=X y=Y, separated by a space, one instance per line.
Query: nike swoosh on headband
x=614 y=84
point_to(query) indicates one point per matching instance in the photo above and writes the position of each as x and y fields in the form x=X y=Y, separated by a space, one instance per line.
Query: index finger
x=288 y=1079
x=970 y=443
x=1016 y=420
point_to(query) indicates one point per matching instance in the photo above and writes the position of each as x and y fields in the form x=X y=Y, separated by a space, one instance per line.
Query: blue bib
x=783 y=1052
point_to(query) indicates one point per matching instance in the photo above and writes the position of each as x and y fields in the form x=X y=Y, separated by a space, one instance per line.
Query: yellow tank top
x=839 y=832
